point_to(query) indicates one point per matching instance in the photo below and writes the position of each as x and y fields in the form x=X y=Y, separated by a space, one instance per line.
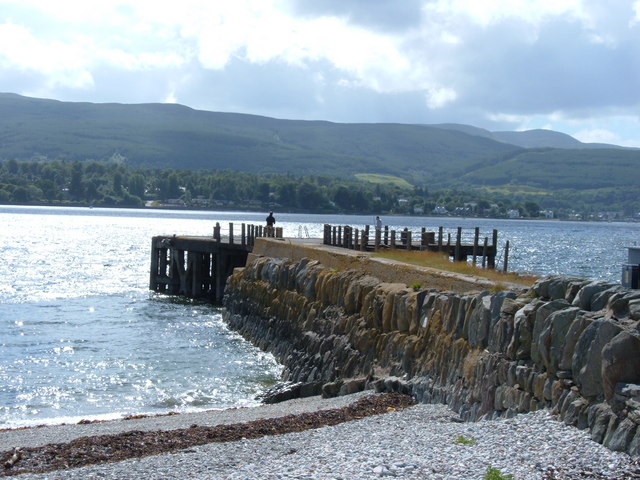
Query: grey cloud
x=500 y=70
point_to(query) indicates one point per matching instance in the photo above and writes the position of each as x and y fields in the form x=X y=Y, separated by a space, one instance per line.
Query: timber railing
x=244 y=234
x=459 y=244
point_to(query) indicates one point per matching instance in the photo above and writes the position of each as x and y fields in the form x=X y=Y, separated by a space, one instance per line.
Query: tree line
x=113 y=184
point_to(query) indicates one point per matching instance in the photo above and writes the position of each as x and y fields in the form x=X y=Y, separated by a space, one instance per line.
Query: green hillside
x=174 y=136
x=556 y=169
x=443 y=156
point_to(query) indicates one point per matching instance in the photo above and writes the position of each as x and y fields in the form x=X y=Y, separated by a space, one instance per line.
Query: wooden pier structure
x=458 y=249
x=198 y=267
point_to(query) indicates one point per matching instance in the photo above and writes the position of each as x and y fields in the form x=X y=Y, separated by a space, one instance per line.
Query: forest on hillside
x=113 y=184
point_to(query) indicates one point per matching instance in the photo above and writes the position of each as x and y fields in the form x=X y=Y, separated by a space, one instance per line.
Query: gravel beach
x=419 y=442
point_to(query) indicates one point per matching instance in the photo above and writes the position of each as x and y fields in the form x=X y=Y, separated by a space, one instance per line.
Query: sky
x=566 y=65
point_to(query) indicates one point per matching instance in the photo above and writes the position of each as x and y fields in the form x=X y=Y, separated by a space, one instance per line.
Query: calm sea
x=81 y=337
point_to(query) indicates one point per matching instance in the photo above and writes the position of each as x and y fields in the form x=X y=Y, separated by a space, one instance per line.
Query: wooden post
x=506 y=257
x=439 y=239
x=346 y=236
x=457 y=256
x=484 y=252
x=363 y=241
x=326 y=239
x=230 y=233
x=356 y=239
x=153 y=274
x=339 y=235
x=408 y=236
x=376 y=241
x=334 y=232
x=491 y=261
x=243 y=234
x=386 y=234
x=216 y=231
x=476 y=234
x=393 y=239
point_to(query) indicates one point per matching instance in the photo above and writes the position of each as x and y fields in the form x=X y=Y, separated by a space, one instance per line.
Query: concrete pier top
x=389 y=271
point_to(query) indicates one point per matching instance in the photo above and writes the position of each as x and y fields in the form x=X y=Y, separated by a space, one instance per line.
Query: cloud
x=498 y=64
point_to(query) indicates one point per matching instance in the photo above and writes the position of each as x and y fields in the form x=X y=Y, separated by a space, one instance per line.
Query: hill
x=175 y=136
x=179 y=137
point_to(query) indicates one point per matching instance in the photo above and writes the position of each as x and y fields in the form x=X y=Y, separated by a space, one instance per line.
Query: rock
x=587 y=358
x=520 y=344
x=543 y=314
x=552 y=339
x=620 y=362
x=573 y=335
x=620 y=439
x=585 y=295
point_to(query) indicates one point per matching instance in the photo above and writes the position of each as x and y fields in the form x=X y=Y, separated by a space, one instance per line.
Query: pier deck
x=198 y=267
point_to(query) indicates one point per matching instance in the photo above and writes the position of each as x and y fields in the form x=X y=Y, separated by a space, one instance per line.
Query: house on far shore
x=440 y=210
x=513 y=213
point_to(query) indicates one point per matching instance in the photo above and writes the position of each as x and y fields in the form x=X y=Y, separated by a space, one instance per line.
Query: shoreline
x=40 y=435
x=421 y=441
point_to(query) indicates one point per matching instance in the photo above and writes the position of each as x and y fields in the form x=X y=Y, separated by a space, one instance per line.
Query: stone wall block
x=587 y=358
x=523 y=321
x=539 y=383
x=620 y=439
x=620 y=361
x=552 y=339
x=586 y=294
x=600 y=300
x=634 y=446
x=402 y=311
x=634 y=309
x=543 y=312
x=573 y=335
x=480 y=322
x=618 y=304
x=573 y=288
x=553 y=287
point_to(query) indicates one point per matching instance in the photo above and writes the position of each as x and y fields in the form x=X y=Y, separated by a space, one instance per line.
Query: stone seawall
x=567 y=344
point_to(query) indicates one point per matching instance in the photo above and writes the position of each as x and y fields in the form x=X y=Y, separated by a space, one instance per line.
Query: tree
x=76 y=189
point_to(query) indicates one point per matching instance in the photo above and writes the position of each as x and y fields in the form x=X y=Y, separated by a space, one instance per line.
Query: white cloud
x=439 y=97
x=597 y=136
x=502 y=63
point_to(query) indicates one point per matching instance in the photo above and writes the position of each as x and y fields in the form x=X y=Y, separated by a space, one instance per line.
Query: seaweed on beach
x=135 y=444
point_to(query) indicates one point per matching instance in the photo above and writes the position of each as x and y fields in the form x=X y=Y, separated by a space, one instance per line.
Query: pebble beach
x=419 y=442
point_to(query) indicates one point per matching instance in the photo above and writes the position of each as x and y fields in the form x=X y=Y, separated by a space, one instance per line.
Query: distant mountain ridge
x=179 y=137
x=537 y=138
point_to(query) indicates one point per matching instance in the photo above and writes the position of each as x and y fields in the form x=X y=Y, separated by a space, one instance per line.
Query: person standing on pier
x=378 y=222
x=271 y=221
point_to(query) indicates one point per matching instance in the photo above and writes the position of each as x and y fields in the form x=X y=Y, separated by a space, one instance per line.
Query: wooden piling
x=476 y=235
x=506 y=257
x=457 y=256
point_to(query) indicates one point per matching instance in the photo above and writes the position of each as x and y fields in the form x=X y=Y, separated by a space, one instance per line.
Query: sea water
x=82 y=337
